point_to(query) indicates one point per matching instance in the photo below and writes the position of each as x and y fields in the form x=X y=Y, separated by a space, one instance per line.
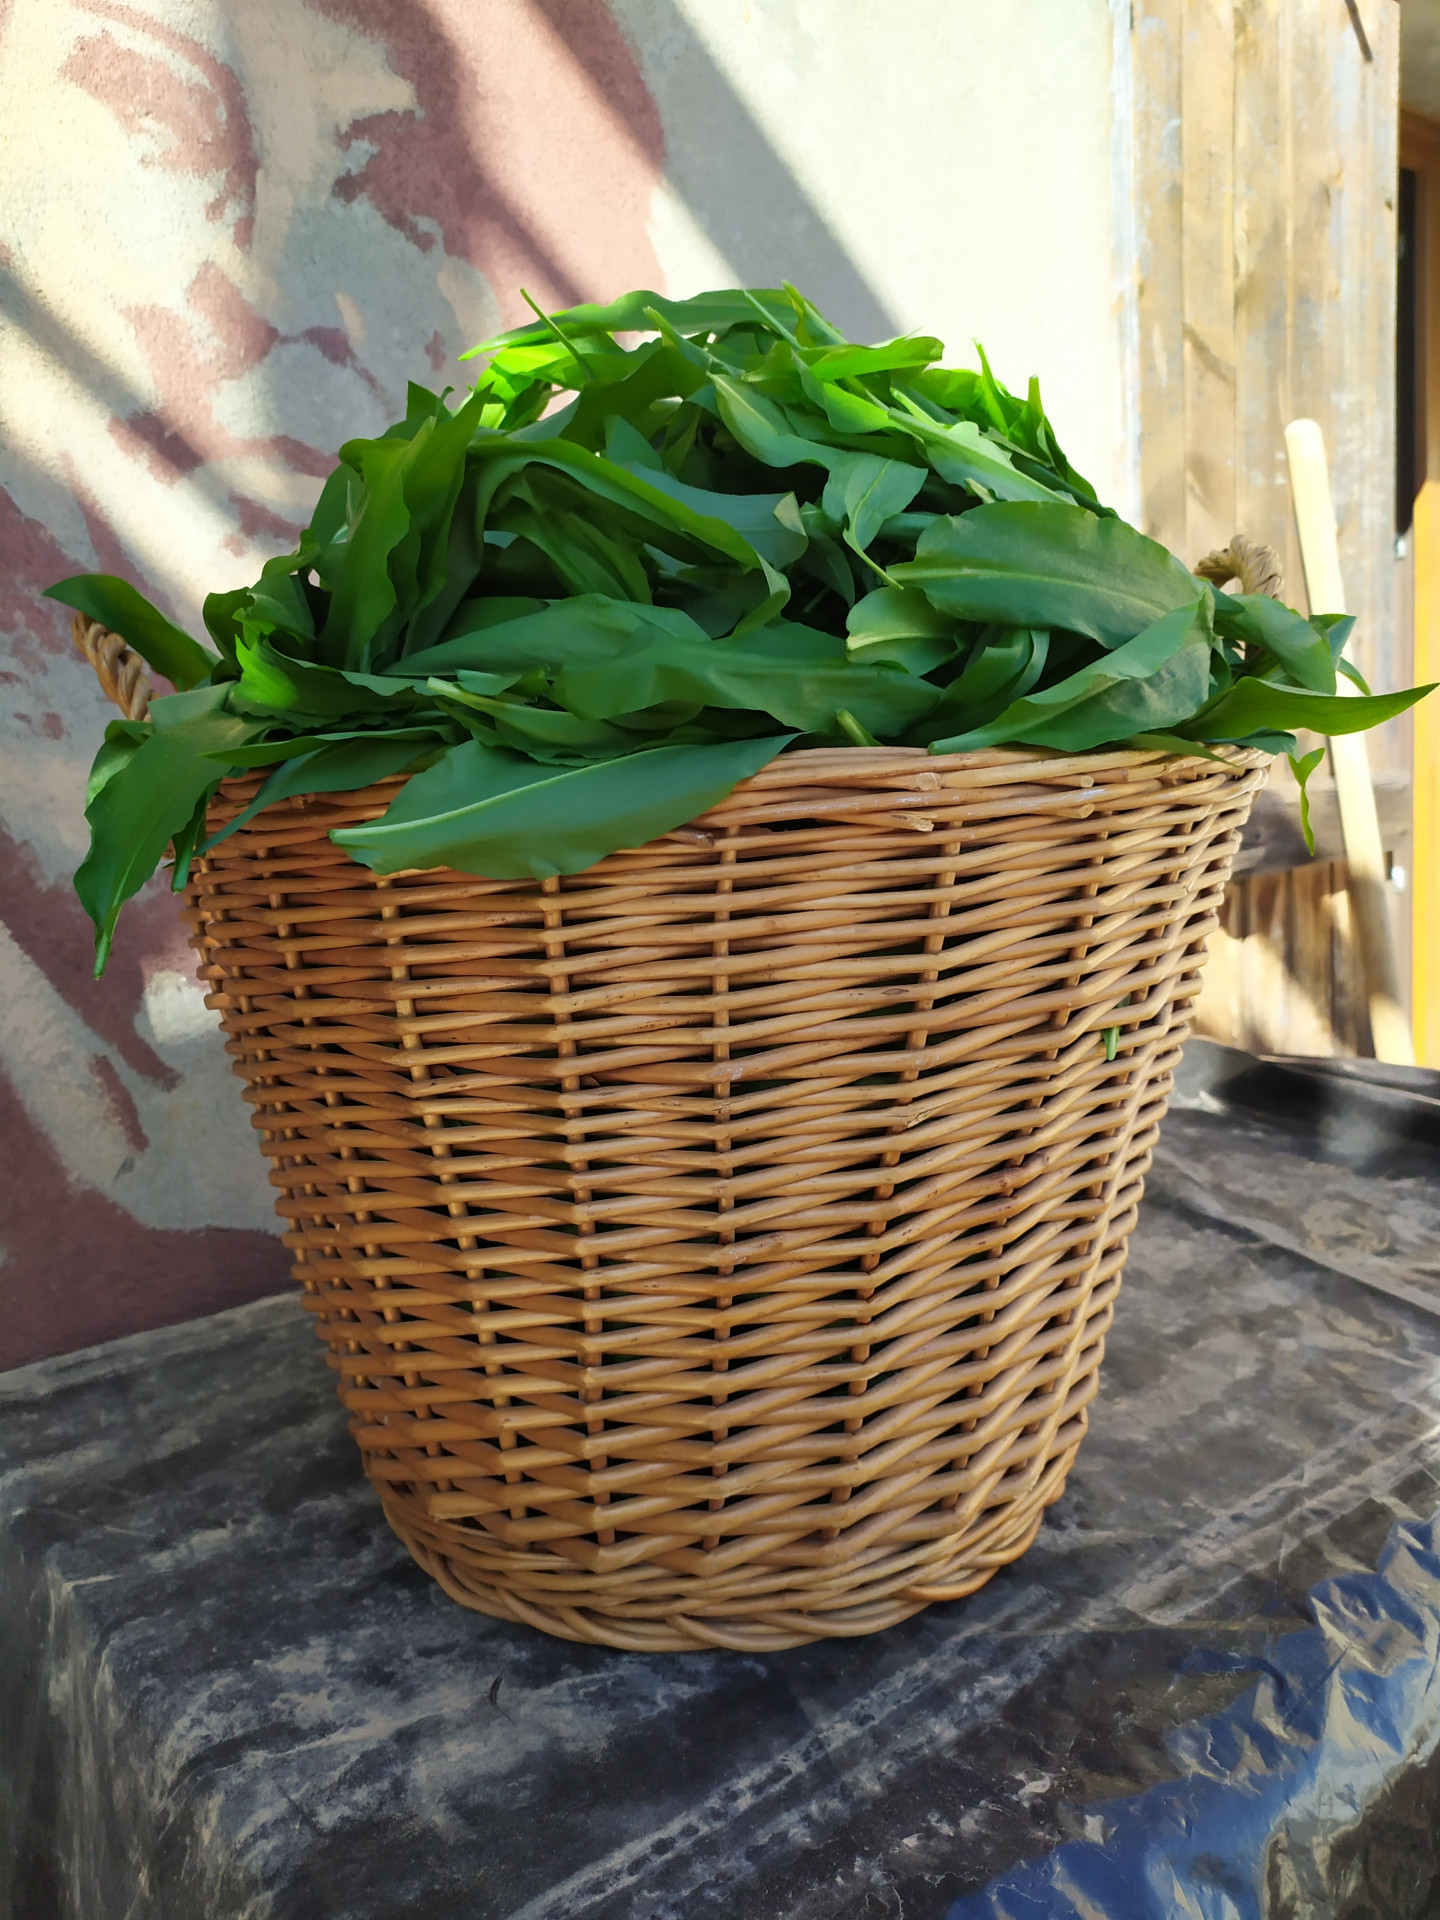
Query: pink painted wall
x=229 y=234
x=231 y=231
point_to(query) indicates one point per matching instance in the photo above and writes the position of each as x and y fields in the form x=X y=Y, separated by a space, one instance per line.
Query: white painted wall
x=959 y=167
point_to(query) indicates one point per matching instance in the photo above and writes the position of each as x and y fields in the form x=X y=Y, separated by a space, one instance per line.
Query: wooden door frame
x=1420 y=152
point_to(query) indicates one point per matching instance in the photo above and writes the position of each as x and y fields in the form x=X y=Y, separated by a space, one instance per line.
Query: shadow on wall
x=725 y=168
x=243 y=238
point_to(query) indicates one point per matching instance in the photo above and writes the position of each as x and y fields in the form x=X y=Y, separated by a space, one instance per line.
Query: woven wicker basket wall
x=717 y=1247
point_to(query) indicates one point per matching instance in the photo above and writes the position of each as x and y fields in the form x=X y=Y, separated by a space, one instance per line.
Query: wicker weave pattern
x=717 y=1247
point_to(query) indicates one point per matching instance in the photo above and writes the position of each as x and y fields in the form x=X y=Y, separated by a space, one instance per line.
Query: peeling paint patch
x=231 y=234
x=533 y=146
x=192 y=97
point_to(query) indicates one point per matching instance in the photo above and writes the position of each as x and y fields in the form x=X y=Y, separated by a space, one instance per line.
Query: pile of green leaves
x=621 y=577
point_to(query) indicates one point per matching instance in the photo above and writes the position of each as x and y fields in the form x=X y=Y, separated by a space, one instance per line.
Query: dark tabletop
x=226 y=1691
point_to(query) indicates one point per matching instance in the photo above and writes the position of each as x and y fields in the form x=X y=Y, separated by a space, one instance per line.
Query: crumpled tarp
x=1275 y=1791
x=1209 y=1688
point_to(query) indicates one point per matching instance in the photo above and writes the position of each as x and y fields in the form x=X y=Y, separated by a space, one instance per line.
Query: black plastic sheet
x=1208 y=1689
x=1268 y=1813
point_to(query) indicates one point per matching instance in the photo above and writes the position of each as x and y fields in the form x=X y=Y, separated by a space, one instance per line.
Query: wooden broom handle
x=1390 y=1034
x=118 y=668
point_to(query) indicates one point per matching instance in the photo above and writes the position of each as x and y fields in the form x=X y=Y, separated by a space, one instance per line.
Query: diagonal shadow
x=738 y=188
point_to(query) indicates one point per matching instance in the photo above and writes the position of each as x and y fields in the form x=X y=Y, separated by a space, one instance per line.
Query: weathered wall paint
x=943 y=165
x=229 y=233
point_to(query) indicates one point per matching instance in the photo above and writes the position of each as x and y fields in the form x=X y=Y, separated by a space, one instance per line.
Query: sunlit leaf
x=483 y=810
x=660 y=541
x=1144 y=686
x=1047 y=565
x=145 y=797
x=158 y=641
x=1302 y=766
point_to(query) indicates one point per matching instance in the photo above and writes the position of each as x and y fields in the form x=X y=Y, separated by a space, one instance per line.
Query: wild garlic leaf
x=144 y=800
x=1047 y=565
x=1144 y=686
x=121 y=609
x=1252 y=705
x=624 y=571
x=1302 y=766
x=487 y=811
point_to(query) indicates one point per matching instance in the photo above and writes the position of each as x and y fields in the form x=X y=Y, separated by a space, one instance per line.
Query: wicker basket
x=716 y=1248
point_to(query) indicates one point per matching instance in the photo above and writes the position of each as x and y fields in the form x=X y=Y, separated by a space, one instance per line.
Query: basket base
x=890 y=1588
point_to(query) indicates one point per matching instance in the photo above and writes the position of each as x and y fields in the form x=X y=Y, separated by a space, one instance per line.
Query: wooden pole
x=1390 y=1035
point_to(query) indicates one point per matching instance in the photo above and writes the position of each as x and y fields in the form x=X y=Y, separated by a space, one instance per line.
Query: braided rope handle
x=118 y=668
x=1257 y=568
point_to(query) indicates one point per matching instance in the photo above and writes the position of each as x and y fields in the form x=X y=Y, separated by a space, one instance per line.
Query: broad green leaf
x=1261 y=621
x=895 y=613
x=965 y=455
x=1047 y=565
x=1252 y=705
x=278 y=599
x=638 y=492
x=845 y=411
x=786 y=680
x=178 y=709
x=824 y=559
x=952 y=390
x=116 y=605
x=1004 y=665
x=704 y=313
x=184 y=843
x=432 y=482
x=453 y=575
x=899 y=625
x=531 y=728
x=863 y=491
x=355 y=565
x=910 y=351
x=1172 y=743
x=626 y=447
x=381 y=567
x=144 y=801
x=1145 y=686
x=269 y=753
x=221 y=614
x=586 y=557
x=763 y=430
x=915 y=653
x=1335 y=630
x=343 y=766
x=482 y=810
x=122 y=739
x=754 y=516
x=273 y=681
x=590 y=628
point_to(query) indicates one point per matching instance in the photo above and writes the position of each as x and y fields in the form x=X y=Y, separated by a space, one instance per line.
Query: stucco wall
x=229 y=233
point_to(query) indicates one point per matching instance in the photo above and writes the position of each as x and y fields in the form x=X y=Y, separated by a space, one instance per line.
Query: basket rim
x=830 y=764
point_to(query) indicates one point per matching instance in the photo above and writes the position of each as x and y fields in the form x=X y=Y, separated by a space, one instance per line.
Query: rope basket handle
x=1257 y=568
x=123 y=679
x=118 y=668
